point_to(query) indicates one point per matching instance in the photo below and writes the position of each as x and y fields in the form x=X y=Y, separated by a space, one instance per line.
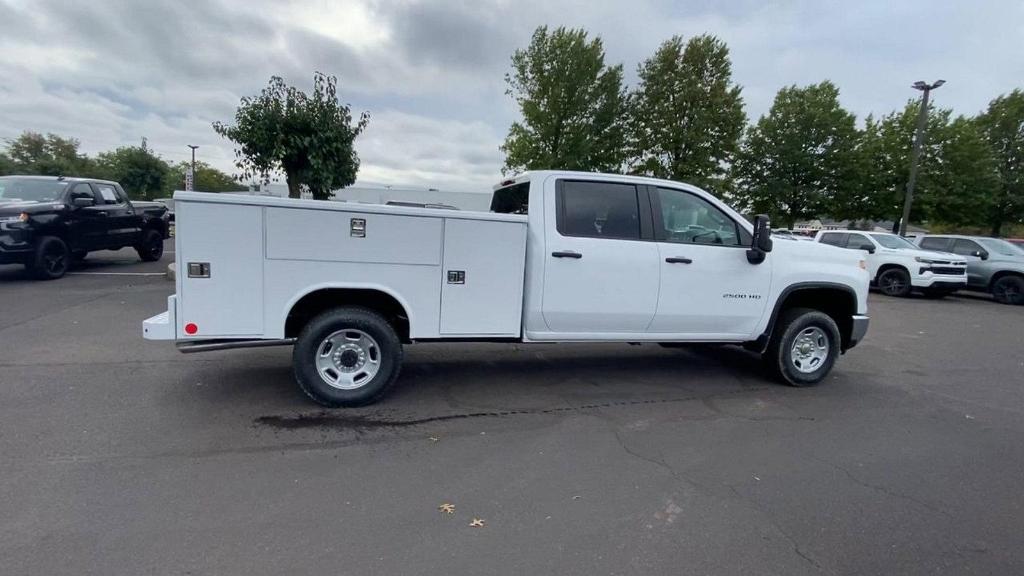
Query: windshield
x=31 y=189
x=1000 y=247
x=894 y=241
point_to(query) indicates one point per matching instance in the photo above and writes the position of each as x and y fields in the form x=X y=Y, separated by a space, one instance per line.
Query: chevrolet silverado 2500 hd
x=561 y=257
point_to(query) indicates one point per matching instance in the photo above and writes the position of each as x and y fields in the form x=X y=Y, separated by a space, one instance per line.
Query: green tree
x=686 y=115
x=207 y=179
x=6 y=165
x=885 y=149
x=963 y=185
x=49 y=155
x=1003 y=127
x=572 y=105
x=799 y=158
x=309 y=137
x=142 y=174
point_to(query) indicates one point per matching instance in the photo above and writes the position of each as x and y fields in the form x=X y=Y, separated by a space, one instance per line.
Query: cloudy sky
x=109 y=72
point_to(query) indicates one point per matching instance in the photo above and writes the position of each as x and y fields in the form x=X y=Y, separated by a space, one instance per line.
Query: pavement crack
x=882 y=489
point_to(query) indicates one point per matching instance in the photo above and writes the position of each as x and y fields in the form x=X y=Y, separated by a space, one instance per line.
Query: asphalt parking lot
x=121 y=456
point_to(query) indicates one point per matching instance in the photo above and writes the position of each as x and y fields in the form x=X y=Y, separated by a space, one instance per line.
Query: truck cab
x=561 y=257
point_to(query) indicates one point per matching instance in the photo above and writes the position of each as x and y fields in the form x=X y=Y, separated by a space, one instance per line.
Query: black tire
x=895 y=282
x=797 y=323
x=151 y=247
x=51 y=259
x=313 y=340
x=1009 y=290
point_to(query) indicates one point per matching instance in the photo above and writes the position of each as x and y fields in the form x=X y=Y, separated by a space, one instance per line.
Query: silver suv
x=993 y=265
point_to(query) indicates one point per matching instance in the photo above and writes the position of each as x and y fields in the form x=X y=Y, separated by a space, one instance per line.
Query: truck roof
x=541 y=174
x=60 y=178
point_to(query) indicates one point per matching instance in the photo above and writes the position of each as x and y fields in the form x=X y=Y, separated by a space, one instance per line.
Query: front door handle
x=567 y=254
x=678 y=260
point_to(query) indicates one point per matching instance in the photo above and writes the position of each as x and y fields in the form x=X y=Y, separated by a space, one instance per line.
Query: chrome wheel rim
x=810 y=350
x=348 y=359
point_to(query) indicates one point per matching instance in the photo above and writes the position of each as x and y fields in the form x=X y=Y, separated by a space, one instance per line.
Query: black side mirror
x=761 y=243
x=870 y=249
x=82 y=202
x=980 y=254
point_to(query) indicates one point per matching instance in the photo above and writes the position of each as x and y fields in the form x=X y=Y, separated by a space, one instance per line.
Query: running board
x=193 y=346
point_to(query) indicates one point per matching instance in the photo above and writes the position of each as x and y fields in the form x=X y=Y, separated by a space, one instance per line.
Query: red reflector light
x=191 y=328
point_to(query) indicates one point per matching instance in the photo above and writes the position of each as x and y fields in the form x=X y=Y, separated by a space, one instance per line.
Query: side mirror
x=82 y=202
x=980 y=254
x=868 y=247
x=761 y=243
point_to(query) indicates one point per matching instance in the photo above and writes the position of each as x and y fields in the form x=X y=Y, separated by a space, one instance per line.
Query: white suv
x=897 y=266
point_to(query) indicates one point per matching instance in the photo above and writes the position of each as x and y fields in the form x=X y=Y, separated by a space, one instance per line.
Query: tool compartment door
x=228 y=238
x=482 y=278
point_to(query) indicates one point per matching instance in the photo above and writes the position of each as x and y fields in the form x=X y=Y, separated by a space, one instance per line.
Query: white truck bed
x=459 y=274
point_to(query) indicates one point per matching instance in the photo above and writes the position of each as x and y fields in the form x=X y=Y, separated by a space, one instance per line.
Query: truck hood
x=929 y=254
x=815 y=250
x=8 y=207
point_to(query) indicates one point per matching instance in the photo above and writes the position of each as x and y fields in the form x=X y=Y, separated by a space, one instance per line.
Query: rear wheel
x=1009 y=290
x=51 y=259
x=347 y=357
x=803 y=347
x=894 y=282
x=151 y=247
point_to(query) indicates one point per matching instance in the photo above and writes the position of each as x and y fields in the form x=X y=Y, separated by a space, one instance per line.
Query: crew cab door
x=123 y=225
x=708 y=289
x=87 y=225
x=601 y=267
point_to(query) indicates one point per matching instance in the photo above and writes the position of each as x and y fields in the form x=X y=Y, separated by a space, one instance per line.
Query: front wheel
x=347 y=357
x=51 y=259
x=1009 y=290
x=803 y=347
x=151 y=247
x=895 y=282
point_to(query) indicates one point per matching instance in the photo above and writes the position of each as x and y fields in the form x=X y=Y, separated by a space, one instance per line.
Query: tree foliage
x=572 y=105
x=686 y=114
x=800 y=157
x=309 y=137
x=1002 y=125
x=142 y=174
x=49 y=155
x=207 y=179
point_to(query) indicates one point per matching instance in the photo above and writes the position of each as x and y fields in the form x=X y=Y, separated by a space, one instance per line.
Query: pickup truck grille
x=947 y=270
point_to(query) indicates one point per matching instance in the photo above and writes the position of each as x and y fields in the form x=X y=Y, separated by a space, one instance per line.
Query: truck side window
x=837 y=239
x=511 y=199
x=82 y=190
x=598 y=210
x=690 y=219
x=965 y=247
x=108 y=194
x=937 y=244
x=857 y=242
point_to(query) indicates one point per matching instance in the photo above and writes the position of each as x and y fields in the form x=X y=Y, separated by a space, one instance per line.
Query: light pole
x=915 y=156
x=190 y=182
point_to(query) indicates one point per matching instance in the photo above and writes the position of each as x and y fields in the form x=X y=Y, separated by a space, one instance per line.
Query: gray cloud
x=109 y=72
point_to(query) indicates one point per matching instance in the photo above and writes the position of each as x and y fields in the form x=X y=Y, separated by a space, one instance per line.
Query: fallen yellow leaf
x=447 y=508
x=477 y=523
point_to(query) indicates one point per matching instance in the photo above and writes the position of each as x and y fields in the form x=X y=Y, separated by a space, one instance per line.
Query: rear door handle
x=567 y=254
x=678 y=260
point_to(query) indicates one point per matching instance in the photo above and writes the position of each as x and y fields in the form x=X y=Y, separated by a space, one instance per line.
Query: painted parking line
x=117 y=273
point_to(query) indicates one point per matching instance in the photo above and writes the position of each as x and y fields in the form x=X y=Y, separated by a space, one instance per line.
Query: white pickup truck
x=561 y=257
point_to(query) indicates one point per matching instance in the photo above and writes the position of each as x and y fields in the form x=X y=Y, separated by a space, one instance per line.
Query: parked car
x=1018 y=242
x=46 y=222
x=563 y=257
x=898 y=267
x=993 y=265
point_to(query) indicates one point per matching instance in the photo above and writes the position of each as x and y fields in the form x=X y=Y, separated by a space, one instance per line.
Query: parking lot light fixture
x=915 y=156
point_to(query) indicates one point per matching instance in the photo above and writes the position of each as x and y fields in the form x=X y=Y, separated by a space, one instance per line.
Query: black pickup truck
x=47 y=222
